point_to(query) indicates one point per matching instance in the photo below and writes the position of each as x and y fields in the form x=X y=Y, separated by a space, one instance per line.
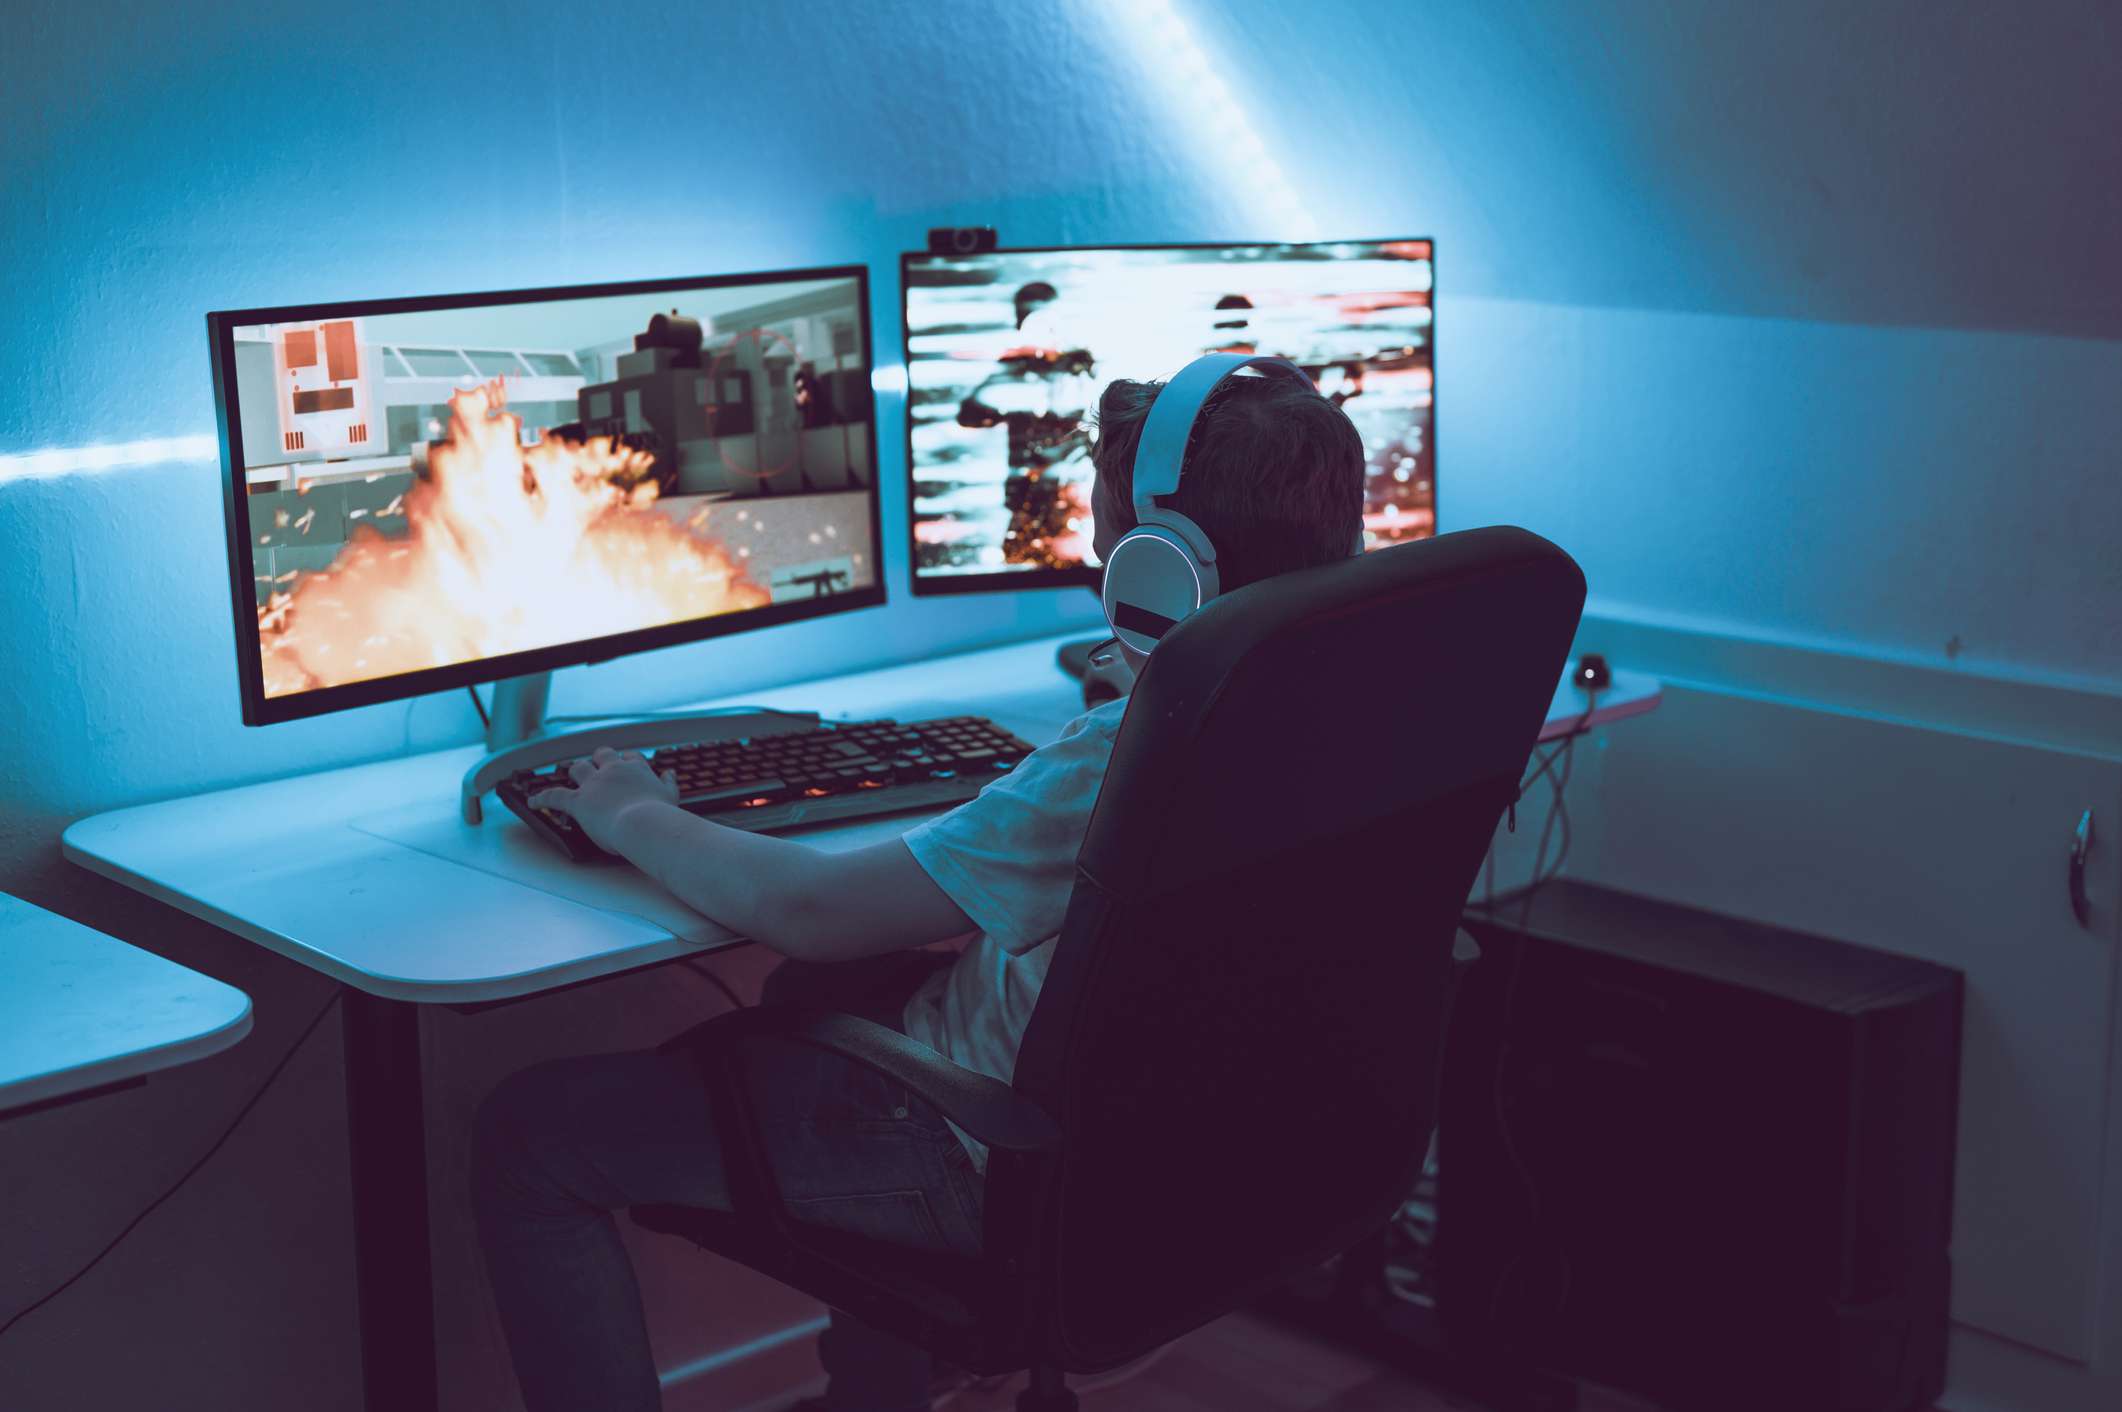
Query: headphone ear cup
x=1153 y=582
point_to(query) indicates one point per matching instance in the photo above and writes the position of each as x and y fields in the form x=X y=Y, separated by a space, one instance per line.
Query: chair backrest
x=1241 y=1027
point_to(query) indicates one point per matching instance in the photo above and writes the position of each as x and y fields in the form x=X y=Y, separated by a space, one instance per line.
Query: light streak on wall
x=1159 y=38
x=67 y=460
x=888 y=379
x=1153 y=33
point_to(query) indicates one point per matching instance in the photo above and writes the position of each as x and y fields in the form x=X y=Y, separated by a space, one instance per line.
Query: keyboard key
x=737 y=793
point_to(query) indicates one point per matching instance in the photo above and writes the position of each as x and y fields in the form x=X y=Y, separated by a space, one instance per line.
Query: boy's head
x=1273 y=475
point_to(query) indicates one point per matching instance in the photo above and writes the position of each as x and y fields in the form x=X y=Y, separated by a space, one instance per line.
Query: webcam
x=960 y=240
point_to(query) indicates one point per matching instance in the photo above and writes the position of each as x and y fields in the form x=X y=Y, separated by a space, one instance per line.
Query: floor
x=1246 y=1363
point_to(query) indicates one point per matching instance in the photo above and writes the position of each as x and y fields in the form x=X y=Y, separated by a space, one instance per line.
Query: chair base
x=1048 y=1392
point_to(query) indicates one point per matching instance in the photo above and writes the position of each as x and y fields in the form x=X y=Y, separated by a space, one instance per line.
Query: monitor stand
x=518 y=712
x=518 y=738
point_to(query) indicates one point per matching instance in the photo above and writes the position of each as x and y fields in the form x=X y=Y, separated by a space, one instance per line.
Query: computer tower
x=1698 y=1158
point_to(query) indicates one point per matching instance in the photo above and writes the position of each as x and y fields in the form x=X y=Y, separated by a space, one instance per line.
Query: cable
x=1559 y=786
x=1547 y=763
x=1562 y=815
x=1557 y=812
x=1532 y=1231
x=1564 y=751
x=227 y=1132
x=1556 y=752
x=480 y=707
x=1560 y=747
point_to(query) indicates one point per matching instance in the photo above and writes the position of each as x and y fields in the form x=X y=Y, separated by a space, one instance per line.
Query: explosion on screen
x=509 y=548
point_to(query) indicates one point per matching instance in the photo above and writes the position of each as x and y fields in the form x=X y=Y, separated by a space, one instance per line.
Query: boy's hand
x=608 y=787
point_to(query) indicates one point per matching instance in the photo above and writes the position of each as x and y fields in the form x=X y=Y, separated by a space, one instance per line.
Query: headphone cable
x=19 y=1315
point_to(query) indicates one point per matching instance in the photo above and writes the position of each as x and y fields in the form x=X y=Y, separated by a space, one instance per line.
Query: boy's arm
x=802 y=901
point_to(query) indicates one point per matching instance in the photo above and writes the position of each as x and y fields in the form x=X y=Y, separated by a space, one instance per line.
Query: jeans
x=561 y=1146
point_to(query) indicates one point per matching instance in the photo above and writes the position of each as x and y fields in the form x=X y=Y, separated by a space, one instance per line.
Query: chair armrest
x=986 y=1107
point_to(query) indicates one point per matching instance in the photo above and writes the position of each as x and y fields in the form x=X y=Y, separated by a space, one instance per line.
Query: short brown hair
x=1274 y=473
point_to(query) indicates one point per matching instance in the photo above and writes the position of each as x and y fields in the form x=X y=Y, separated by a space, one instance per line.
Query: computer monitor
x=1007 y=351
x=431 y=492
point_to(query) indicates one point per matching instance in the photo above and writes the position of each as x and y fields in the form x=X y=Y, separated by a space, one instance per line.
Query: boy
x=1274 y=476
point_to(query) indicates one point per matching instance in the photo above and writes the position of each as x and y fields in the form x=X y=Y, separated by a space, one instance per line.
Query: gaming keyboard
x=811 y=774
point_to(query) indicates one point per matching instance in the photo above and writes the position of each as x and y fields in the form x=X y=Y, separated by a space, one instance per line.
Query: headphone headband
x=1171 y=418
x=1164 y=569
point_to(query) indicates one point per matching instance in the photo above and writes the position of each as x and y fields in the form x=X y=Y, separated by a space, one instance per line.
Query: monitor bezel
x=1086 y=576
x=262 y=710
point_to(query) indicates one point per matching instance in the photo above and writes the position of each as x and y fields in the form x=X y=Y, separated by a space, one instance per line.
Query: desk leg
x=387 y=1145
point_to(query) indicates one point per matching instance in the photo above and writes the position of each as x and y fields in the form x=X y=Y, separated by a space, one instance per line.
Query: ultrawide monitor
x=427 y=493
x=1007 y=351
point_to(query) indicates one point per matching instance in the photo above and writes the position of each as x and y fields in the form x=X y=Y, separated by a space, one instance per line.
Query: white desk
x=82 y=1013
x=367 y=875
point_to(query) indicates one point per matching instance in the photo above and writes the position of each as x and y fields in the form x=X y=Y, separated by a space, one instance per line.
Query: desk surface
x=79 y=1009
x=367 y=874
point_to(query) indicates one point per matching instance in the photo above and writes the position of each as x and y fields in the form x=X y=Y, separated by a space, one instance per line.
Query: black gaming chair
x=1230 y=1076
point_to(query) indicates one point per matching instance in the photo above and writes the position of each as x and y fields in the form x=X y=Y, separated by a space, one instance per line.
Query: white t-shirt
x=1008 y=859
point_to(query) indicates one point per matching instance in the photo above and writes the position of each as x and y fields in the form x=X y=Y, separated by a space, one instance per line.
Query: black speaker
x=1698 y=1158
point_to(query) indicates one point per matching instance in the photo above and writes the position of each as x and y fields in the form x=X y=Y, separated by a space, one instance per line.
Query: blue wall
x=1793 y=322
x=1762 y=191
x=1934 y=497
x=1945 y=165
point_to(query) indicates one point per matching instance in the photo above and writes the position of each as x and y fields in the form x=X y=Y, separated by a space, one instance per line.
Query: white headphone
x=1164 y=569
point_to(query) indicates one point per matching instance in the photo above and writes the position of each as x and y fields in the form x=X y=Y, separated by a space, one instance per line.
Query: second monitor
x=429 y=492
x=1007 y=350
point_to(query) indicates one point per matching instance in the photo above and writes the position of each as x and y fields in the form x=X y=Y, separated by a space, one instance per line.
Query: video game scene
x=1006 y=354
x=450 y=485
